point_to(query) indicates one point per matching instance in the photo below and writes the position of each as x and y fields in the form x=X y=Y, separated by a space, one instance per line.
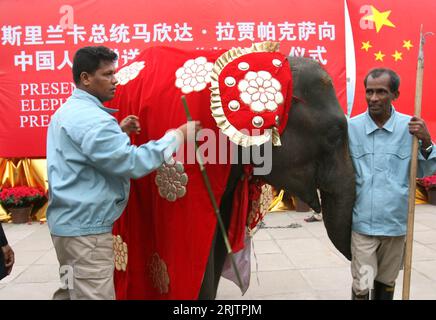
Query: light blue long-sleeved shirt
x=381 y=158
x=90 y=162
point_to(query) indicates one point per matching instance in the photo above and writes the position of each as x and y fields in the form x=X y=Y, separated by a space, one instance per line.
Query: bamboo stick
x=213 y=200
x=412 y=174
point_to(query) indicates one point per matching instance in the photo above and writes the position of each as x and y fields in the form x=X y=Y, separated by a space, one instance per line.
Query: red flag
x=386 y=34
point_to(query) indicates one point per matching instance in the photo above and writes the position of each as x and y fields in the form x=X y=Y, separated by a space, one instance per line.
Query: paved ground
x=287 y=263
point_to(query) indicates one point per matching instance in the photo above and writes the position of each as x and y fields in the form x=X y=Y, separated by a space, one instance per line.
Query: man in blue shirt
x=380 y=145
x=90 y=163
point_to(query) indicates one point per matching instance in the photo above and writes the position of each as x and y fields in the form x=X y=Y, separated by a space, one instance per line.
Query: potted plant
x=429 y=183
x=20 y=200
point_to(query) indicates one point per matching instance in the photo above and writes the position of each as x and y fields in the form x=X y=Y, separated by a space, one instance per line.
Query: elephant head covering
x=251 y=92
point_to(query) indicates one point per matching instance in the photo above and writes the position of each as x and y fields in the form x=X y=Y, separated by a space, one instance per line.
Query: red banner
x=386 y=34
x=39 y=38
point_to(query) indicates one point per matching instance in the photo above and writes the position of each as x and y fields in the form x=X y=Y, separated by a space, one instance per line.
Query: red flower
x=428 y=182
x=20 y=196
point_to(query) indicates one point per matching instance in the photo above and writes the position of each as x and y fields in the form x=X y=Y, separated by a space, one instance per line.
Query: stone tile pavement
x=292 y=259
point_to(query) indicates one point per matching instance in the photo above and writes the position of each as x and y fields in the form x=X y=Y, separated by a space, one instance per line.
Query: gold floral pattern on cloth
x=171 y=180
x=159 y=274
x=194 y=75
x=120 y=253
x=259 y=207
x=129 y=72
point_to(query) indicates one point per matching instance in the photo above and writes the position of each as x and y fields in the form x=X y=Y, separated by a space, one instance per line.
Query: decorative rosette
x=159 y=274
x=171 y=180
x=121 y=253
x=129 y=72
x=251 y=93
x=194 y=75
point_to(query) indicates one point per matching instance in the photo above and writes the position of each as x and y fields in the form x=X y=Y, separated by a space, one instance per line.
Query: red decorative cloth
x=163 y=240
x=240 y=205
x=249 y=207
x=261 y=85
x=167 y=242
x=252 y=92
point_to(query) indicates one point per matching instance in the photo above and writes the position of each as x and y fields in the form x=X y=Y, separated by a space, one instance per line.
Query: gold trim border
x=216 y=107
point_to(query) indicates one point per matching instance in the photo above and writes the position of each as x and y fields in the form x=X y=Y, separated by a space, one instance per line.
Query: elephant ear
x=251 y=93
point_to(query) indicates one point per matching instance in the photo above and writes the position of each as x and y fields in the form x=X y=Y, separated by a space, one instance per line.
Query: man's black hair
x=394 y=83
x=87 y=59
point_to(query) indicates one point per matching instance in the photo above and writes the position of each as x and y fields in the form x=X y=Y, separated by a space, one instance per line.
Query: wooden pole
x=213 y=200
x=412 y=175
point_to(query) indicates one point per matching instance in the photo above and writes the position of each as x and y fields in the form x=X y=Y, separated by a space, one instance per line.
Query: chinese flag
x=386 y=33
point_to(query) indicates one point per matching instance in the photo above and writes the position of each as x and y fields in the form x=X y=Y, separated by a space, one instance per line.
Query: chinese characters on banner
x=386 y=34
x=38 y=41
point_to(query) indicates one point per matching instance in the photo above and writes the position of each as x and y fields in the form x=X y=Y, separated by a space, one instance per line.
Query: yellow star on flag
x=407 y=44
x=366 y=45
x=397 y=55
x=380 y=18
x=379 y=56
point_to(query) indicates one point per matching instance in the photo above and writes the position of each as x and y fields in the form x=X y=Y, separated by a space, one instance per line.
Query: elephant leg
x=207 y=290
x=218 y=250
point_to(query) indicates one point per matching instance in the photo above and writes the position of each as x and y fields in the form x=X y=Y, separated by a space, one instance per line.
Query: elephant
x=313 y=156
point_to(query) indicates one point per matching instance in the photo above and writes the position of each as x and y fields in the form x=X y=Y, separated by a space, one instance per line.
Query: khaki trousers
x=375 y=258
x=86 y=267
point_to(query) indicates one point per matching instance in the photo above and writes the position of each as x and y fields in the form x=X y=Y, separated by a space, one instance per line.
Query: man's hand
x=418 y=128
x=130 y=124
x=9 y=255
x=189 y=130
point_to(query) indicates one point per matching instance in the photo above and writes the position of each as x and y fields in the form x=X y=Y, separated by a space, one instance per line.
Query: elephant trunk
x=337 y=200
x=337 y=214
